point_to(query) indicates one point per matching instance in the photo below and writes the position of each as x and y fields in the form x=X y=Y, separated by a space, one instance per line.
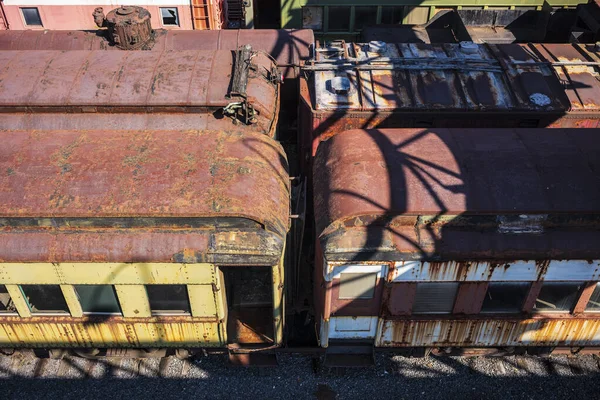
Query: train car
x=289 y=48
x=136 y=239
x=405 y=85
x=193 y=89
x=458 y=239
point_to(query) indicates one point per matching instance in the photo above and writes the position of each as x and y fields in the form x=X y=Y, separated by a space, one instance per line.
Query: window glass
x=312 y=18
x=169 y=16
x=557 y=296
x=99 y=299
x=339 y=19
x=505 y=297
x=435 y=298
x=364 y=16
x=392 y=15
x=357 y=286
x=45 y=298
x=6 y=303
x=594 y=302
x=31 y=15
x=168 y=299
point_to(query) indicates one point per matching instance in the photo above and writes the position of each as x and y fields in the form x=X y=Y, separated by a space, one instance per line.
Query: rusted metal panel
x=387 y=85
x=89 y=118
x=110 y=332
x=98 y=174
x=287 y=46
x=490 y=332
x=191 y=82
x=453 y=76
x=351 y=307
x=508 y=271
x=189 y=196
x=454 y=193
x=399 y=298
x=151 y=244
x=469 y=298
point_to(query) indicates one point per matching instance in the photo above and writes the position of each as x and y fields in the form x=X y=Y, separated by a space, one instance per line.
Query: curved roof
x=136 y=174
x=425 y=172
x=396 y=77
x=188 y=81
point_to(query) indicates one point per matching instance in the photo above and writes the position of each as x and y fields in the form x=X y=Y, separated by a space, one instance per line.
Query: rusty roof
x=124 y=174
x=459 y=193
x=456 y=76
x=287 y=46
x=190 y=81
x=457 y=171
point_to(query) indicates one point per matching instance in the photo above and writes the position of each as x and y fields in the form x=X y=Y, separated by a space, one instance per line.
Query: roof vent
x=129 y=27
x=540 y=99
x=340 y=85
x=468 y=47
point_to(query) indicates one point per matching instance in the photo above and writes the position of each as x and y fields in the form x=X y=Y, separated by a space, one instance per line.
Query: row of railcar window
x=96 y=299
x=430 y=298
x=500 y=297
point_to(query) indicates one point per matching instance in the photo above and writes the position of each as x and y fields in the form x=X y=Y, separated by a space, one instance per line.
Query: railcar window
x=357 y=286
x=392 y=15
x=6 y=303
x=169 y=16
x=557 y=296
x=594 y=302
x=45 y=298
x=98 y=299
x=435 y=298
x=312 y=18
x=339 y=19
x=364 y=16
x=168 y=299
x=505 y=297
x=31 y=16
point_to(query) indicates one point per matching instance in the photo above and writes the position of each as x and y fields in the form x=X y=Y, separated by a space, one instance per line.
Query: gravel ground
x=517 y=377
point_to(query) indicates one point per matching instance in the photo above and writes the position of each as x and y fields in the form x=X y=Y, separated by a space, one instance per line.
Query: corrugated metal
x=490 y=332
x=398 y=191
x=191 y=82
x=110 y=332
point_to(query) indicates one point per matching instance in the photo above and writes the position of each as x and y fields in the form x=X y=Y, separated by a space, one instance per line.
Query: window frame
x=457 y=286
x=153 y=312
x=37 y=9
x=523 y=301
x=162 y=17
x=571 y=309
x=85 y=313
x=30 y=306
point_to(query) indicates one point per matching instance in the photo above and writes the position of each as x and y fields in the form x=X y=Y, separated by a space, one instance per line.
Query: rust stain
x=491 y=332
x=109 y=332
